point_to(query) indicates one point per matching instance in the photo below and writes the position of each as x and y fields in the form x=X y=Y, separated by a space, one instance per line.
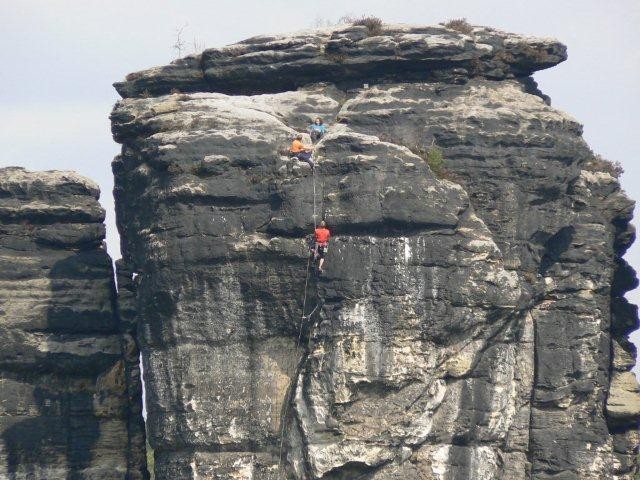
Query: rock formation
x=69 y=374
x=470 y=322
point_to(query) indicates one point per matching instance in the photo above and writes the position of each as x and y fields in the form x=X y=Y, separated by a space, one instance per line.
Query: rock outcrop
x=469 y=324
x=69 y=375
x=349 y=56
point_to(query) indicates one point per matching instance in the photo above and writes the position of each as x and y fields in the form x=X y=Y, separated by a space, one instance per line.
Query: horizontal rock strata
x=471 y=321
x=350 y=55
x=69 y=380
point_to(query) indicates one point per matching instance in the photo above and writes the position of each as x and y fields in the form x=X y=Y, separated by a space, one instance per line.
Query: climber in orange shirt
x=322 y=235
x=299 y=150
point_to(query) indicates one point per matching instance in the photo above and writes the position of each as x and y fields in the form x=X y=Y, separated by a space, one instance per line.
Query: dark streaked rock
x=66 y=366
x=466 y=326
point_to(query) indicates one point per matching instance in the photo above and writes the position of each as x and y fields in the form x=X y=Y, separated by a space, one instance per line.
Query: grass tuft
x=434 y=158
x=459 y=25
x=374 y=25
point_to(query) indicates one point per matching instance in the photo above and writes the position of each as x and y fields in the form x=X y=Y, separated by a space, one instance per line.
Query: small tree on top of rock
x=179 y=45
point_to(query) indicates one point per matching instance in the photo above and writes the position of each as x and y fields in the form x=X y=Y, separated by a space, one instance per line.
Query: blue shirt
x=318 y=128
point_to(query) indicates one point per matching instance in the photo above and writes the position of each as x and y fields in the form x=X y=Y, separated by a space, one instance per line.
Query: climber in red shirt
x=322 y=236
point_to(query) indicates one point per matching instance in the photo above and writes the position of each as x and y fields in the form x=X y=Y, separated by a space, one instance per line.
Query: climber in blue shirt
x=317 y=130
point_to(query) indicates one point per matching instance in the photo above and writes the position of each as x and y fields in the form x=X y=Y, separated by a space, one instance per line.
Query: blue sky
x=59 y=59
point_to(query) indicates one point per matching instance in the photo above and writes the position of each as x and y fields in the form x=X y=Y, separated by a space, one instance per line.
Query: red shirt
x=322 y=235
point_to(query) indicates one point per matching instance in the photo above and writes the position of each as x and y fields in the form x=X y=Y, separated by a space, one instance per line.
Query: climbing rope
x=302 y=319
x=313 y=174
x=306 y=317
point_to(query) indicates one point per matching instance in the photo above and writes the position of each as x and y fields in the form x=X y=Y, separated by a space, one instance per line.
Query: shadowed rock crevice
x=555 y=246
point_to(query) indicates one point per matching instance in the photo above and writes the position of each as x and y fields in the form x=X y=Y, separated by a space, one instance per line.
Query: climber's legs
x=320 y=251
x=306 y=157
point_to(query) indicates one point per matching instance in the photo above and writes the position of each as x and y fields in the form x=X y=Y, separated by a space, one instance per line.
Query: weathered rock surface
x=468 y=326
x=624 y=397
x=69 y=379
x=350 y=55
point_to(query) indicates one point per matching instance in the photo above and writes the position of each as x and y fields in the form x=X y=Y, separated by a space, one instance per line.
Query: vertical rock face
x=468 y=325
x=69 y=380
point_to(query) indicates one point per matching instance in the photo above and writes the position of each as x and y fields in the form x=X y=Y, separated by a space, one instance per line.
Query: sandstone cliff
x=468 y=325
x=69 y=375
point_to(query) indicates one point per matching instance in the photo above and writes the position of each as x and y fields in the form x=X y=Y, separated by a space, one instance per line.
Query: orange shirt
x=297 y=146
x=322 y=235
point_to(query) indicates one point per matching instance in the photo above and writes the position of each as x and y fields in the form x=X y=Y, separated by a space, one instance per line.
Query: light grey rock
x=349 y=55
x=624 y=396
x=623 y=353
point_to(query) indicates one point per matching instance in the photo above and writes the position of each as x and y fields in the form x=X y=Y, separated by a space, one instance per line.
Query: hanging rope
x=313 y=174
x=302 y=319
